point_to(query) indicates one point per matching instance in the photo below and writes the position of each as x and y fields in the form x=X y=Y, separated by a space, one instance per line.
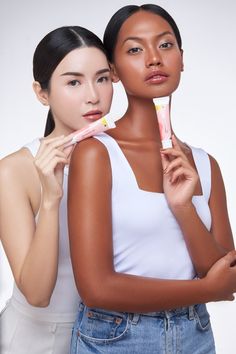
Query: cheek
x=175 y=63
x=106 y=90
x=65 y=101
x=132 y=74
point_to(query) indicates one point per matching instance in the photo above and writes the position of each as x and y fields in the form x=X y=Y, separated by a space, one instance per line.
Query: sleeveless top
x=65 y=298
x=147 y=240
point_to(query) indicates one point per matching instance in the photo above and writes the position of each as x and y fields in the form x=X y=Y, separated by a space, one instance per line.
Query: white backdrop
x=203 y=112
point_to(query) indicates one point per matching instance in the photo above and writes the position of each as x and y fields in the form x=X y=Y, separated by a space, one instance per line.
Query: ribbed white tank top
x=65 y=299
x=147 y=239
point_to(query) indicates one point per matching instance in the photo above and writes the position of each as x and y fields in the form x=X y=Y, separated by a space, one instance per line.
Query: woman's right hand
x=221 y=278
x=50 y=162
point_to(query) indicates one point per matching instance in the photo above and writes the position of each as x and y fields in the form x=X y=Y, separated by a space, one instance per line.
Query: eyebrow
x=140 y=39
x=75 y=73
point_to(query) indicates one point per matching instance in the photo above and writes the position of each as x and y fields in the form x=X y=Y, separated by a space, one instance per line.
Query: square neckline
x=134 y=176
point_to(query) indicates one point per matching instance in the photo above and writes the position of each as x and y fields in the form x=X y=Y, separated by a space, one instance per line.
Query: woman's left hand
x=179 y=177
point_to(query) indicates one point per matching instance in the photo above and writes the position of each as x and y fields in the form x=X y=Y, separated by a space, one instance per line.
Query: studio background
x=203 y=108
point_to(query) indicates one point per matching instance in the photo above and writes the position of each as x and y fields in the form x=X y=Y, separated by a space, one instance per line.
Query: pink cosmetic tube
x=163 y=116
x=99 y=126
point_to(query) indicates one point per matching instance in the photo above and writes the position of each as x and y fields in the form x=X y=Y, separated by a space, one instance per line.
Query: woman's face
x=80 y=89
x=147 y=58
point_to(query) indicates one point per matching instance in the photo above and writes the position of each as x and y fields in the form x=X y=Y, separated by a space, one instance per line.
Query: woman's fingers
x=173 y=154
x=53 y=143
x=165 y=161
x=175 y=143
x=49 y=167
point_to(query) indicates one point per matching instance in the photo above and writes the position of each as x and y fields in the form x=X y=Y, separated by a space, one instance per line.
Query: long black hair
x=114 y=25
x=52 y=49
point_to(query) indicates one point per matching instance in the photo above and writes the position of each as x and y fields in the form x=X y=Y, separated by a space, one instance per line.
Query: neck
x=140 y=119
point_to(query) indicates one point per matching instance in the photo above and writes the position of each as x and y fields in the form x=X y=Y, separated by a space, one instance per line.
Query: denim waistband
x=183 y=311
x=188 y=310
x=171 y=313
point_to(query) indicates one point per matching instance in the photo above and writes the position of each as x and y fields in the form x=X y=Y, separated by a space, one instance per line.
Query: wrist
x=183 y=210
x=208 y=290
x=50 y=203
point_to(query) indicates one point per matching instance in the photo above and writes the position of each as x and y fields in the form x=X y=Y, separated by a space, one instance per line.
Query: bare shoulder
x=89 y=151
x=90 y=167
x=17 y=167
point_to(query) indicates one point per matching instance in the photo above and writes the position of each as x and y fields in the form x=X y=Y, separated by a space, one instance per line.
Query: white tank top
x=65 y=298
x=147 y=239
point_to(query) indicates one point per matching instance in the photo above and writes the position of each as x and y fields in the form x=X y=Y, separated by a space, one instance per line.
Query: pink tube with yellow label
x=163 y=117
x=99 y=126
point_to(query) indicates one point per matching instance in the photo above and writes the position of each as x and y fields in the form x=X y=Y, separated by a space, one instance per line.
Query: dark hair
x=117 y=20
x=52 y=49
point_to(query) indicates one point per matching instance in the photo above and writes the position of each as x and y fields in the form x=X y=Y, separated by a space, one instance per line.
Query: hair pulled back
x=114 y=25
x=52 y=49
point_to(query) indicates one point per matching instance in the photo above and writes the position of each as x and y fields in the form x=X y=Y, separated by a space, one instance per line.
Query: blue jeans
x=180 y=331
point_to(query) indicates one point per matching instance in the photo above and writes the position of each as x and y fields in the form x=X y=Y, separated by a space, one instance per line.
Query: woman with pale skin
x=149 y=231
x=72 y=77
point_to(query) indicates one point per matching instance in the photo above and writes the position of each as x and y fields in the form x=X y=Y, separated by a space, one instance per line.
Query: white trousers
x=21 y=334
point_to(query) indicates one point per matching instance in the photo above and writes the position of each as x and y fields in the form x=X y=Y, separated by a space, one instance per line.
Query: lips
x=156 y=77
x=93 y=115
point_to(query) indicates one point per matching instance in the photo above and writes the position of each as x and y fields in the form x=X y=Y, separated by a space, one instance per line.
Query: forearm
x=129 y=293
x=39 y=272
x=201 y=244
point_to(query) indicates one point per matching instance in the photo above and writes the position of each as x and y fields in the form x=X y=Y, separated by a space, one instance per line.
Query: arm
x=32 y=249
x=90 y=231
x=205 y=247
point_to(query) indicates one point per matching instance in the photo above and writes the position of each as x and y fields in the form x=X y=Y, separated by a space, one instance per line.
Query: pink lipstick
x=93 y=115
x=156 y=77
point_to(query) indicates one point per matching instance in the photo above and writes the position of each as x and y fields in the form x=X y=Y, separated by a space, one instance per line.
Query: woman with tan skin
x=151 y=248
x=72 y=77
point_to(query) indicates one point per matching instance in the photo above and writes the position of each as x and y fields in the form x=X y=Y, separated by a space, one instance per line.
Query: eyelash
x=165 y=45
x=74 y=83
x=134 y=50
x=103 y=79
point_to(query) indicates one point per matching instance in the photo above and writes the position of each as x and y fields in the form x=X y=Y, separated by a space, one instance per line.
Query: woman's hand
x=221 y=277
x=50 y=162
x=179 y=177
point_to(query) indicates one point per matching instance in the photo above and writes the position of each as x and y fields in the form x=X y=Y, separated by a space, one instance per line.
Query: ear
x=42 y=94
x=182 y=55
x=114 y=75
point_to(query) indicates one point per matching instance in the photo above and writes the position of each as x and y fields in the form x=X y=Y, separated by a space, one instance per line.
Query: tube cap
x=167 y=143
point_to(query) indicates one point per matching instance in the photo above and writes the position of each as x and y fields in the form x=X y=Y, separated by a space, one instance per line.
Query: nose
x=153 y=58
x=92 y=94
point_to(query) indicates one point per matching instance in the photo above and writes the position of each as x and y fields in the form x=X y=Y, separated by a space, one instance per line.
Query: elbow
x=36 y=299
x=95 y=297
x=37 y=302
x=97 y=294
x=35 y=296
x=203 y=269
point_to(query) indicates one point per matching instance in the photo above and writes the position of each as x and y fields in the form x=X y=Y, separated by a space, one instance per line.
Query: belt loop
x=191 y=313
x=167 y=321
x=53 y=328
x=134 y=317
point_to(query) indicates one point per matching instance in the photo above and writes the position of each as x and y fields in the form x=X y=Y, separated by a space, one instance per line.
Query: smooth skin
x=80 y=83
x=145 y=43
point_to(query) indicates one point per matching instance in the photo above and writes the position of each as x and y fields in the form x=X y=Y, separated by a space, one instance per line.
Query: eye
x=166 y=45
x=74 y=83
x=134 y=50
x=103 y=79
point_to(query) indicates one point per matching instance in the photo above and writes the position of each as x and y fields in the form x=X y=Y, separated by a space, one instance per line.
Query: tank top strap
x=121 y=170
x=33 y=146
x=203 y=165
